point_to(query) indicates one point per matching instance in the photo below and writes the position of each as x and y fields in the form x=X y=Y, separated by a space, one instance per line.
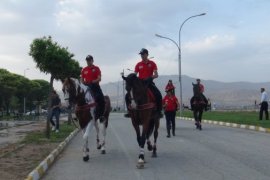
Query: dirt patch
x=17 y=164
x=17 y=160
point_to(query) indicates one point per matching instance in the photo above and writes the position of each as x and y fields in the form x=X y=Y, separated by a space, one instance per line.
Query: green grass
x=40 y=137
x=243 y=117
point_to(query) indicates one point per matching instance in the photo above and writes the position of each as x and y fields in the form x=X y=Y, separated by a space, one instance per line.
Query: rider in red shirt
x=170 y=105
x=170 y=86
x=202 y=95
x=147 y=71
x=91 y=76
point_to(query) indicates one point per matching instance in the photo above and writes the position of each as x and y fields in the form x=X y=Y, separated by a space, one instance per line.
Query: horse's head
x=69 y=87
x=138 y=88
x=130 y=81
x=196 y=89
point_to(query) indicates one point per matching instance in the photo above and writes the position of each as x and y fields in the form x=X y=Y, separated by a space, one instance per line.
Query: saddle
x=149 y=105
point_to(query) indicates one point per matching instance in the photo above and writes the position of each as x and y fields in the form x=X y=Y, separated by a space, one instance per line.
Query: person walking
x=264 y=105
x=147 y=71
x=170 y=105
x=91 y=76
x=55 y=111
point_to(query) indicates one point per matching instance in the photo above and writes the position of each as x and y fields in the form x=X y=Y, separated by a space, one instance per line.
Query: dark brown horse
x=197 y=106
x=143 y=113
x=81 y=97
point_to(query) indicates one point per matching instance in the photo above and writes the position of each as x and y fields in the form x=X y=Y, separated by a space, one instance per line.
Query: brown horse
x=143 y=113
x=197 y=106
x=81 y=97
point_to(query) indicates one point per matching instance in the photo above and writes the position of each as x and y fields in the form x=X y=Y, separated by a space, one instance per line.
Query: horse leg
x=97 y=137
x=88 y=129
x=148 y=135
x=140 y=163
x=200 y=119
x=141 y=160
x=154 y=154
x=103 y=132
x=195 y=118
x=85 y=148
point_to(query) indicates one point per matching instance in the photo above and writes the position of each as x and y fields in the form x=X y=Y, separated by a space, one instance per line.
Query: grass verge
x=243 y=117
x=39 y=136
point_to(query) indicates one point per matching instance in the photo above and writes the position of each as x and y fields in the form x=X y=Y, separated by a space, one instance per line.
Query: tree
x=55 y=60
x=7 y=88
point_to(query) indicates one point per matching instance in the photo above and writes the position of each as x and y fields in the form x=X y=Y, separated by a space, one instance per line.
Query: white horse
x=80 y=96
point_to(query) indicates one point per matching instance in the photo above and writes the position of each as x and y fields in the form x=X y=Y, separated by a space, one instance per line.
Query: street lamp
x=24 y=95
x=179 y=54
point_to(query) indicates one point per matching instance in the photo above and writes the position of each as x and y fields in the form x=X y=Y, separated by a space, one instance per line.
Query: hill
x=221 y=94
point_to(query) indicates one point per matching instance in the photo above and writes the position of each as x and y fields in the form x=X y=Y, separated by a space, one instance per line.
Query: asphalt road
x=214 y=153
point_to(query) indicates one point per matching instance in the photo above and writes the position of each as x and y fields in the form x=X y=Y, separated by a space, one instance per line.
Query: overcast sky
x=230 y=43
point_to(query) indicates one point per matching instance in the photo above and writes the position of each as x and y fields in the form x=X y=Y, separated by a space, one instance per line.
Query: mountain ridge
x=222 y=94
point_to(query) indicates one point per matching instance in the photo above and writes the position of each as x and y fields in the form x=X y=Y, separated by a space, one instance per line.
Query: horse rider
x=91 y=76
x=201 y=86
x=170 y=86
x=147 y=71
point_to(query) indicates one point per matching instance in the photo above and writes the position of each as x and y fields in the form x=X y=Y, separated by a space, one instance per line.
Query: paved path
x=216 y=153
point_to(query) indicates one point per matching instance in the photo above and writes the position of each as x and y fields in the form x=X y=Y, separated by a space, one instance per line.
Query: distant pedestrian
x=170 y=105
x=170 y=86
x=264 y=105
x=55 y=111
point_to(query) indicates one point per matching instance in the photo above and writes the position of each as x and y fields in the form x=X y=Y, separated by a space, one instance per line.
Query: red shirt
x=90 y=73
x=201 y=88
x=145 y=69
x=171 y=102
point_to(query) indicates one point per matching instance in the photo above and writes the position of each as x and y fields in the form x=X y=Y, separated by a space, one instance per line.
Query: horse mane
x=73 y=87
x=138 y=87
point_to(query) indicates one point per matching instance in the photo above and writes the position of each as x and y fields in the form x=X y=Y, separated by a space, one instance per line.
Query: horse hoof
x=86 y=158
x=99 y=146
x=140 y=165
x=149 y=147
x=154 y=155
x=103 y=152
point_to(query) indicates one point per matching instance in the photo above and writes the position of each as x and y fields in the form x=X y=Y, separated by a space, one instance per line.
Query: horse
x=81 y=97
x=197 y=106
x=143 y=113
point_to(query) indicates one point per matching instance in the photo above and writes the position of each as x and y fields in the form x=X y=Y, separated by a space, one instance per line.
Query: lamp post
x=24 y=95
x=179 y=54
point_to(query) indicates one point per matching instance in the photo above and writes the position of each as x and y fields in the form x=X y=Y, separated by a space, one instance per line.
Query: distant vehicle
x=44 y=111
x=30 y=113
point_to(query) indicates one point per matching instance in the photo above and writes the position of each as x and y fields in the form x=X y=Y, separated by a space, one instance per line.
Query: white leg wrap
x=88 y=129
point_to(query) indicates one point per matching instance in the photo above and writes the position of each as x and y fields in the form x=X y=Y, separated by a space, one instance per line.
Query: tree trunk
x=49 y=108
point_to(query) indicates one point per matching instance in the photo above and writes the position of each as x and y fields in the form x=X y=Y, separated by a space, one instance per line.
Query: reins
x=143 y=106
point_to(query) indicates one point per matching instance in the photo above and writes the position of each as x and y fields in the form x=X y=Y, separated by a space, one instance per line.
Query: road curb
x=234 y=125
x=40 y=170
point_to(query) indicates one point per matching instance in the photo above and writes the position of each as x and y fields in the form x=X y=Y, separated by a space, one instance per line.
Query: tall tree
x=7 y=87
x=55 y=60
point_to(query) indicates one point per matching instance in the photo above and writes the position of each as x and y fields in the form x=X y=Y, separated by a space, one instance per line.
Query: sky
x=230 y=43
